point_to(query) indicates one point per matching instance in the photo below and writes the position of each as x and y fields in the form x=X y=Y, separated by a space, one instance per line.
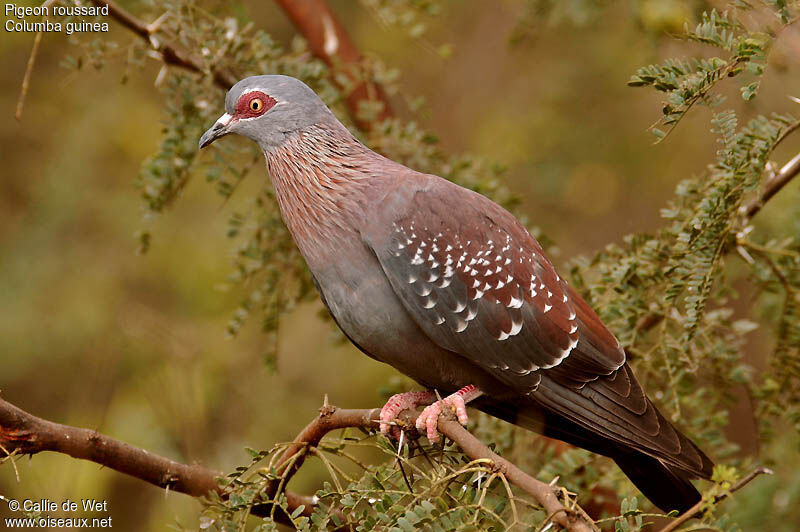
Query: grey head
x=268 y=109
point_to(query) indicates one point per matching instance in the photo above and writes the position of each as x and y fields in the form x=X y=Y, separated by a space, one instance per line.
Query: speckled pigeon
x=450 y=289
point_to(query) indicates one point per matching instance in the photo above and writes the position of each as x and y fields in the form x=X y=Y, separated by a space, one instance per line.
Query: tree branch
x=329 y=41
x=332 y=418
x=24 y=433
x=773 y=185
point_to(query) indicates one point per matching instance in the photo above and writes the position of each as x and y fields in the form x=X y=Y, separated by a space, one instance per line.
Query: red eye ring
x=253 y=104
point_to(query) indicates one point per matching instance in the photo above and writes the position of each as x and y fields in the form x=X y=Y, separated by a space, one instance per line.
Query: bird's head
x=267 y=109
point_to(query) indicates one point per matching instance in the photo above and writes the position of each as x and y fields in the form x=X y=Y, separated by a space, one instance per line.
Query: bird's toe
x=428 y=421
x=396 y=404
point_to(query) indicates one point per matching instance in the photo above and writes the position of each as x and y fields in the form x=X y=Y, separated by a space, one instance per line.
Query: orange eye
x=256 y=104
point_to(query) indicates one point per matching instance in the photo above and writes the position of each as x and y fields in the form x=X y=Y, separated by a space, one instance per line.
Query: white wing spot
x=565 y=353
x=547 y=307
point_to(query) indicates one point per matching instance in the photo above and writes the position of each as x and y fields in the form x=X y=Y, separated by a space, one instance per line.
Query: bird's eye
x=256 y=104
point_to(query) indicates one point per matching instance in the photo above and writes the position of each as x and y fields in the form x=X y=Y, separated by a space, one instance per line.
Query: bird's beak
x=220 y=128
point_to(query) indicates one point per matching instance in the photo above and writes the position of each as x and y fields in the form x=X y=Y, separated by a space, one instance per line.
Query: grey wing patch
x=479 y=293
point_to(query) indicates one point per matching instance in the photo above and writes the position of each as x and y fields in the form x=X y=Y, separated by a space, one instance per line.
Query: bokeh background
x=95 y=335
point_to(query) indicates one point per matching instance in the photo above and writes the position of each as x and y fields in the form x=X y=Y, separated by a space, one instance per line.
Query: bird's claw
x=396 y=404
x=428 y=420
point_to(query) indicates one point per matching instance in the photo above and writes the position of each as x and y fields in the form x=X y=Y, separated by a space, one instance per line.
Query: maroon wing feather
x=479 y=284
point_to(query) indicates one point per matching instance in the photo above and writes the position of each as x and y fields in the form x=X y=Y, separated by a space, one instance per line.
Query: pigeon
x=450 y=289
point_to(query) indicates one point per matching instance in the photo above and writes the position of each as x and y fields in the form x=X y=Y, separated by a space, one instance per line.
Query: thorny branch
x=23 y=433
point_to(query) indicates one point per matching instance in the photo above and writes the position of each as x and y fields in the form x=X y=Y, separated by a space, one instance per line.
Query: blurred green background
x=94 y=335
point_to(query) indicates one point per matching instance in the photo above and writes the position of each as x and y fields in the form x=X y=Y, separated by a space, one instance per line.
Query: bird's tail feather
x=667 y=487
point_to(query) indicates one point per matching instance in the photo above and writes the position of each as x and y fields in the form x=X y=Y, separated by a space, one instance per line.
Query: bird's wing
x=478 y=284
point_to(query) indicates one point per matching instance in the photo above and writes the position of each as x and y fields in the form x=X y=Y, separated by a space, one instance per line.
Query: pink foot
x=428 y=420
x=399 y=402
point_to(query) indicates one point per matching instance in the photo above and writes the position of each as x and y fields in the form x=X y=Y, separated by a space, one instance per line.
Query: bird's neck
x=319 y=174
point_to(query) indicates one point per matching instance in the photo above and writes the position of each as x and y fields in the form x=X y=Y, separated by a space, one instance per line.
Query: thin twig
x=697 y=508
x=10 y=457
x=23 y=92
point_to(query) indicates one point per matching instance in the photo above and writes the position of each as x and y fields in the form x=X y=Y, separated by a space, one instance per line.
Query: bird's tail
x=667 y=486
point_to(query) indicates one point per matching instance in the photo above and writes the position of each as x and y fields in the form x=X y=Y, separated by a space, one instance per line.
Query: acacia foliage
x=667 y=295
